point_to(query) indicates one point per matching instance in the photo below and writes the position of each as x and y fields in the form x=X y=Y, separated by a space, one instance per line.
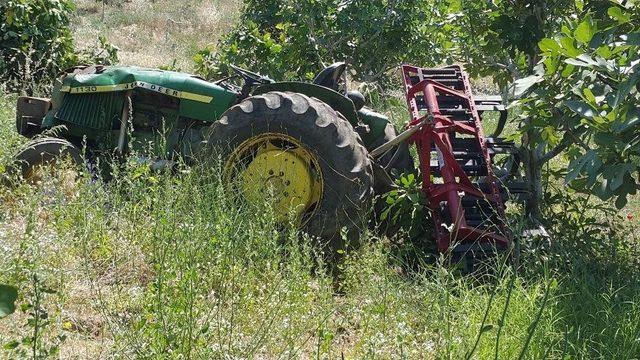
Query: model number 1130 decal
x=137 y=84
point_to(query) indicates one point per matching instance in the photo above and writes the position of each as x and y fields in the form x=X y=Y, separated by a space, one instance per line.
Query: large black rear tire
x=344 y=163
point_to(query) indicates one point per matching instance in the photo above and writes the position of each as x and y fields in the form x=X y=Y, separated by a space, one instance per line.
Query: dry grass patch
x=153 y=34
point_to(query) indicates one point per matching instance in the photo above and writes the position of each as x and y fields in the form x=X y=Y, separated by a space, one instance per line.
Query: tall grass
x=156 y=265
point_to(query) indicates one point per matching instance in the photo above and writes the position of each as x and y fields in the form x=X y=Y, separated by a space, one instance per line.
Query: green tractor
x=308 y=142
x=318 y=150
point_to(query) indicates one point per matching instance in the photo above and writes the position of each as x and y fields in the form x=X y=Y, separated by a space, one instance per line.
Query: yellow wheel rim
x=277 y=167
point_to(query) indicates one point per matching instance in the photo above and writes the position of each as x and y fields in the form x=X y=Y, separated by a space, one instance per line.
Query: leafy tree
x=500 y=38
x=295 y=39
x=584 y=101
x=508 y=40
x=35 y=40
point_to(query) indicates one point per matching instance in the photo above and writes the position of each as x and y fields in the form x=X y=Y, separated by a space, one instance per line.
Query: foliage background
x=584 y=101
x=36 y=41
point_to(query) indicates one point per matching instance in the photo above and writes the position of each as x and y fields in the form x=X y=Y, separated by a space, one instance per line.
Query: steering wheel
x=250 y=77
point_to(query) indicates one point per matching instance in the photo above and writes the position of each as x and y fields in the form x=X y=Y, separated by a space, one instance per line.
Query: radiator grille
x=93 y=111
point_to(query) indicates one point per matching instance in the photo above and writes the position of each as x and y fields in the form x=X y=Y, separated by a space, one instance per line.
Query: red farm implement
x=464 y=194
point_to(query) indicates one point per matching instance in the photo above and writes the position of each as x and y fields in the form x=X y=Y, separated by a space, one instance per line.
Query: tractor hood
x=199 y=99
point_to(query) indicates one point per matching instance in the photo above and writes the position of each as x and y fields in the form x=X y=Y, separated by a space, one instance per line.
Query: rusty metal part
x=29 y=114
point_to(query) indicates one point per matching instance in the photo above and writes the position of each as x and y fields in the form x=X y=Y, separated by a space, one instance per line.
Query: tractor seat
x=330 y=76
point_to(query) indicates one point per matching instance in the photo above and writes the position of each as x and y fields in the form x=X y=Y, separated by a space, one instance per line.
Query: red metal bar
x=444 y=146
x=445 y=199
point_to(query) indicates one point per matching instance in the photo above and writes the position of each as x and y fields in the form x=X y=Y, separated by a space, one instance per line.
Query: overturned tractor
x=322 y=155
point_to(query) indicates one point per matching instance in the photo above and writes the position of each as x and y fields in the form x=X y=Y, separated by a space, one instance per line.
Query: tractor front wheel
x=303 y=155
x=43 y=155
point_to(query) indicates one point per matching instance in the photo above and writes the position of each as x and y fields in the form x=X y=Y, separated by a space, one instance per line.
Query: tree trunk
x=532 y=206
x=533 y=173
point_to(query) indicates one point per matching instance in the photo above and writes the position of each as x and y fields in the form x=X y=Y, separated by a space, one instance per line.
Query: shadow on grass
x=594 y=257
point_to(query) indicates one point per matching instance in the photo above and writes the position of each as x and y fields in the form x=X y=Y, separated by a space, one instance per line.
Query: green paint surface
x=189 y=88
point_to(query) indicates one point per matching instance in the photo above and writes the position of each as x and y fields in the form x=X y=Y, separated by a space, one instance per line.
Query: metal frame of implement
x=457 y=178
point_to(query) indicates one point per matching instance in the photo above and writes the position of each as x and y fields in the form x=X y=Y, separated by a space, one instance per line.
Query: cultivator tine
x=455 y=159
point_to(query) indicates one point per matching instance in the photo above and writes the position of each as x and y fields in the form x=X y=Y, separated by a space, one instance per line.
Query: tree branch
x=568 y=139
